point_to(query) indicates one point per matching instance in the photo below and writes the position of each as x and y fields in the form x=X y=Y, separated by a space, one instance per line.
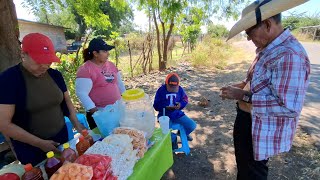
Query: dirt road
x=212 y=152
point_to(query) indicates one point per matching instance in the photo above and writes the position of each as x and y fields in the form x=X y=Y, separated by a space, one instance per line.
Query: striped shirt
x=279 y=84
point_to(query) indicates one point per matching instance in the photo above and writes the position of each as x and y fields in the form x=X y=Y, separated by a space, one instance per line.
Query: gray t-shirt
x=43 y=103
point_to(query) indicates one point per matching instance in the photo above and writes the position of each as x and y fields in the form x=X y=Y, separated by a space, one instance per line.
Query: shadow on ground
x=212 y=153
x=310 y=117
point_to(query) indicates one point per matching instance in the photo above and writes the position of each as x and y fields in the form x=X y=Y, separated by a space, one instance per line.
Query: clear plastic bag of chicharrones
x=139 y=141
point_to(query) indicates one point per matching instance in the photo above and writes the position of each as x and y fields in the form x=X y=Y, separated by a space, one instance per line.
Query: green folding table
x=156 y=161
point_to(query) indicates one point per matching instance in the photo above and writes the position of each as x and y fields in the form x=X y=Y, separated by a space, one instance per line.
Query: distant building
x=55 y=33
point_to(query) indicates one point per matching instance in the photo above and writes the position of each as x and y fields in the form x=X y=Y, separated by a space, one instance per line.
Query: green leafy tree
x=82 y=16
x=126 y=27
x=118 y=18
x=165 y=14
x=295 y=21
x=217 y=31
x=189 y=24
x=78 y=15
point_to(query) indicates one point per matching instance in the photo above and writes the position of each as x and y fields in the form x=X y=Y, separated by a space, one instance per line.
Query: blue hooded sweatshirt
x=165 y=98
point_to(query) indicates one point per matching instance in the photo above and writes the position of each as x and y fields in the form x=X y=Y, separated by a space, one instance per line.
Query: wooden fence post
x=130 y=59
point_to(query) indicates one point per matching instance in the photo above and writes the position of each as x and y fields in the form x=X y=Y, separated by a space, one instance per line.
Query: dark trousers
x=30 y=154
x=248 y=168
x=91 y=122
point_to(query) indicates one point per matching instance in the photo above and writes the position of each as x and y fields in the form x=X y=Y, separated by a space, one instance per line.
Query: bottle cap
x=28 y=167
x=50 y=154
x=66 y=145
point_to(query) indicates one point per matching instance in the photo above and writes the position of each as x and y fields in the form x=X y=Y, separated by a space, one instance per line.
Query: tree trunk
x=79 y=62
x=163 y=63
x=47 y=18
x=117 y=53
x=166 y=42
x=9 y=41
x=149 y=20
x=82 y=25
x=9 y=35
x=151 y=52
x=144 y=65
x=158 y=38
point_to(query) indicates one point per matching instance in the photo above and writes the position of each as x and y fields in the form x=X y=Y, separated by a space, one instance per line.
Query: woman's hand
x=48 y=145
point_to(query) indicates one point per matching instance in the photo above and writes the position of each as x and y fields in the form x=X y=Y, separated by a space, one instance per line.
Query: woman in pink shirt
x=98 y=81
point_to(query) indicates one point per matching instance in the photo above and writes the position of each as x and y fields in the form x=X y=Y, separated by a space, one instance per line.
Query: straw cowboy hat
x=261 y=10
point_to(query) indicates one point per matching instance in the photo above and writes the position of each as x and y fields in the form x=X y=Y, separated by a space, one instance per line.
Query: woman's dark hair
x=87 y=55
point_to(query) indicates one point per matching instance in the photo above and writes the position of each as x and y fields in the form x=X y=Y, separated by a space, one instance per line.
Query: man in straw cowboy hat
x=271 y=97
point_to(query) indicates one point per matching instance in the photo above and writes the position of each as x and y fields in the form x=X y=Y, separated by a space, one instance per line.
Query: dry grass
x=211 y=53
x=124 y=61
x=304 y=37
x=218 y=54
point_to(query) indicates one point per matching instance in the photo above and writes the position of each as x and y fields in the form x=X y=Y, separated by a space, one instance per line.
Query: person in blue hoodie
x=172 y=97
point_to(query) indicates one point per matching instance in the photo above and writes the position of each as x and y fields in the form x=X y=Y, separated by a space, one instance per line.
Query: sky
x=140 y=19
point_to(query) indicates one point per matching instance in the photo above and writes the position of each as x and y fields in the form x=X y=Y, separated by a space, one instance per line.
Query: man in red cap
x=33 y=102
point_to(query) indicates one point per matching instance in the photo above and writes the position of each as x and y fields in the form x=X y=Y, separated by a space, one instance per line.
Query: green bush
x=191 y=33
x=136 y=41
x=211 y=53
x=217 y=31
x=68 y=67
x=121 y=47
x=296 y=21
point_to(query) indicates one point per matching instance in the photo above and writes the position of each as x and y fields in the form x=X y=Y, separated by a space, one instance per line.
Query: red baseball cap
x=40 y=48
x=173 y=79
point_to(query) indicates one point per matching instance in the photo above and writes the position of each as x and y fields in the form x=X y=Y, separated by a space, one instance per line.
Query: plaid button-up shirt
x=279 y=84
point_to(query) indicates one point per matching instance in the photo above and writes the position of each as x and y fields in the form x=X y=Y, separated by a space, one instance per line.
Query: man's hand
x=48 y=145
x=170 y=108
x=177 y=106
x=231 y=92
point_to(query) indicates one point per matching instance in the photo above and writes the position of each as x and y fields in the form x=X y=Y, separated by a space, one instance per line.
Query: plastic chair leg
x=184 y=141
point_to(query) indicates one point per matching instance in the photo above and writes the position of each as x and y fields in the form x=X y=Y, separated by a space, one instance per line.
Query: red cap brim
x=44 y=58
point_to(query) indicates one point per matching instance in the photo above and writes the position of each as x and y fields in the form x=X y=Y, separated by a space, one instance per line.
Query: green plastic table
x=156 y=161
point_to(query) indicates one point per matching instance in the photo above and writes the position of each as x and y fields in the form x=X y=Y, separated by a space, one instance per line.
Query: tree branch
x=170 y=30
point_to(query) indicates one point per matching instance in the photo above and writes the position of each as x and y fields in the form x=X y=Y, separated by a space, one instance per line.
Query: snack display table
x=156 y=161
